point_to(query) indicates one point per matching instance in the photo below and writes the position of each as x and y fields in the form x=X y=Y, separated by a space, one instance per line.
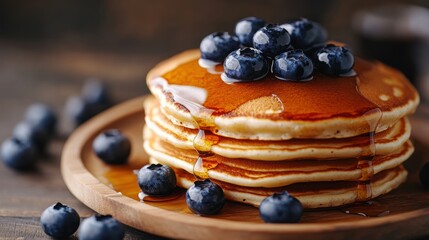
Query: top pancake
x=271 y=109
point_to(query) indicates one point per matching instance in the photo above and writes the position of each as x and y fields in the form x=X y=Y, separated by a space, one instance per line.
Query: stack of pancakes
x=329 y=141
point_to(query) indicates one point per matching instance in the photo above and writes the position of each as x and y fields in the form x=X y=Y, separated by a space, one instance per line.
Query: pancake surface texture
x=329 y=141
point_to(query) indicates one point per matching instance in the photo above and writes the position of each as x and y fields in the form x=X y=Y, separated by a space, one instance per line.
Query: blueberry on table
x=245 y=64
x=59 y=221
x=95 y=93
x=78 y=110
x=17 y=154
x=334 y=60
x=42 y=116
x=205 y=198
x=306 y=34
x=34 y=134
x=112 y=147
x=246 y=28
x=271 y=40
x=424 y=175
x=292 y=65
x=216 y=46
x=281 y=208
x=156 y=179
x=101 y=227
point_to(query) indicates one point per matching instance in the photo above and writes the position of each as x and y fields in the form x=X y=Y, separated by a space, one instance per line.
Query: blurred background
x=50 y=48
x=64 y=42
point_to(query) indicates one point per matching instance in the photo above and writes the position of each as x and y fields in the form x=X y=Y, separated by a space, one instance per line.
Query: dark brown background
x=48 y=48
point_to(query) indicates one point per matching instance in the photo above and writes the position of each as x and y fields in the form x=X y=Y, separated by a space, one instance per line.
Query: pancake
x=311 y=195
x=270 y=109
x=385 y=142
x=250 y=173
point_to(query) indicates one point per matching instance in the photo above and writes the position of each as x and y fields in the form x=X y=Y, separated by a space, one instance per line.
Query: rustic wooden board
x=113 y=190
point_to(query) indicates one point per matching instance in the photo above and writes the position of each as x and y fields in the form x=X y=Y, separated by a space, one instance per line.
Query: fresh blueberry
x=424 y=175
x=17 y=154
x=112 y=147
x=157 y=179
x=95 y=93
x=306 y=34
x=59 y=221
x=29 y=132
x=334 y=60
x=101 y=227
x=205 y=198
x=78 y=110
x=281 y=208
x=271 y=40
x=292 y=65
x=216 y=46
x=42 y=116
x=246 y=28
x=245 y=64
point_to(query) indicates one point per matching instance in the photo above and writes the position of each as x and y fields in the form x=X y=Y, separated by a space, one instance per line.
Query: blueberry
x=59 y=221
x=292 y=65
x=157 y=179
x=78 y=110
x=17 y=154
x=424 y=175
x=281 y=208
x=245 y=64
x=101 y=227
x=205 y=198
x=334 y=60
x=271 y=40
x=29 y=132
x=246 y=28
x=218 y=45
x=95 y=93
x=306 y=34
x=43 y=116
x=112 y=147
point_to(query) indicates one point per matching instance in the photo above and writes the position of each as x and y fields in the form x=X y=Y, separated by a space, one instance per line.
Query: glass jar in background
x=397 y=35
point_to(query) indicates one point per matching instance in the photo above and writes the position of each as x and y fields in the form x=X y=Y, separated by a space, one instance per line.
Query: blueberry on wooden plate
x=246 y=28
x=112 y=147
x=17 y=154
x=156 y=179
x=281 y=208
x=205 y=198
x=245 y=64
x=271 y=40
x=101 y=227
x=59 y=221
x=216 y=46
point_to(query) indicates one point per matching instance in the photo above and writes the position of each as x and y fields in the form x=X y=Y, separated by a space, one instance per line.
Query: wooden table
x=51 y=74
x=30 y=74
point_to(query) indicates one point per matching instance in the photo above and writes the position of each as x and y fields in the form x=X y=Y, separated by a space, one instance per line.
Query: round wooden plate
x=113 y=190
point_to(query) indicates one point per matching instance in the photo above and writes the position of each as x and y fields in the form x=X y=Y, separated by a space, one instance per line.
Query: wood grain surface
x=92 y=182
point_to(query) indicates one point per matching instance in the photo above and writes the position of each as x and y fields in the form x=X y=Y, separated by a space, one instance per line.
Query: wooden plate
x=113 y=190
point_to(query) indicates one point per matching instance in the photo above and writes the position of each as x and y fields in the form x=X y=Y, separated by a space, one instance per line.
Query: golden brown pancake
x=314 y=194
x=386 y=142
x=271 y=109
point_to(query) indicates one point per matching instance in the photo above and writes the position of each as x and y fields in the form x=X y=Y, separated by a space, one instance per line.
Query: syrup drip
x=367 y=209
x=364 y=163
x=160 y=198
x=203 y=143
